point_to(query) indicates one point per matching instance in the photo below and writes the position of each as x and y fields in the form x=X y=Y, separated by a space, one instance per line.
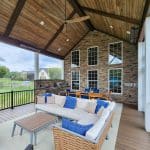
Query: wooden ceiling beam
x=146 y=7
x=77 y=43
x=110 y=15
x=14 y=16
x=21 y=44
x=58 y=32
x=78 y=9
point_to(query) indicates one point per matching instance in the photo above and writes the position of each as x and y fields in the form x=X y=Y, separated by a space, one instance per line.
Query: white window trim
x=97 y=55
x=93 y=80
x=121 y=52
x=79 y=58
x=75 y=80
x=121 y=80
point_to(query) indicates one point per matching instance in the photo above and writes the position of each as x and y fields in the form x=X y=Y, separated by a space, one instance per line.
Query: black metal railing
x=16 y=98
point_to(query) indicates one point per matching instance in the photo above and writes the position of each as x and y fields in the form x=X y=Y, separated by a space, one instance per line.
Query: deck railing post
x=12 y=100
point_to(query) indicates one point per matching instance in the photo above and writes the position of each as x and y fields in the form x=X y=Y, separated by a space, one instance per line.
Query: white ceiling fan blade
x=55 y=17
x=79 y=19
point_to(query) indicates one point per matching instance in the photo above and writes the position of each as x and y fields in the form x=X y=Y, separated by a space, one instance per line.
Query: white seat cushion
x=88 y=119
x=60 y=100
x=95 y=131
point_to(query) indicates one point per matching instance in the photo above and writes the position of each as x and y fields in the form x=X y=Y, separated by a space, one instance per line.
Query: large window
x=75 y=58
x=75 y=83
x=93 y=79
x=115 y=80
x=93 y=55
x=115 y=53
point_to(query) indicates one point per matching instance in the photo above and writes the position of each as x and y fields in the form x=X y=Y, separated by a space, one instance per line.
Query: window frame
x=79 y=58
x=121 y=80
x=97 y=55
x=75 y=80
x=121 y=52
x=93 y=80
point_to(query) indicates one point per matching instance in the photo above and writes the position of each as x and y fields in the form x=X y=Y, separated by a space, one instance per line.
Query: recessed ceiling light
x=59 y=49
x=128 y=32
x=111 y=27
x=67 y=40
x=42 y=23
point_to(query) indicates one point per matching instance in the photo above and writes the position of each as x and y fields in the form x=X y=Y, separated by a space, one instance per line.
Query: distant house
x=28 y=75
x=44 y=73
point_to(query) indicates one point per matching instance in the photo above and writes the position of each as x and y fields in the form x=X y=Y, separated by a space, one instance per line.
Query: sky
x=18 y=59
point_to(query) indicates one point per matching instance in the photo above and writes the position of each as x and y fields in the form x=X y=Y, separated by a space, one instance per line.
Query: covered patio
x=105 y=49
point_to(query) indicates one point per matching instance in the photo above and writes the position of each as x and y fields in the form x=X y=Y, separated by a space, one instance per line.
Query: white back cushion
x=82 y=104
x=94 y=132
x=60 y=100
x=91 y=106
x=105 y=114
x=111 y=106
x=50 y=99
x=100 y=111
x=40 y=99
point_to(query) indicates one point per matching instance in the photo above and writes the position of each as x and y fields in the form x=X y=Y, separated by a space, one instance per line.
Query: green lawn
x=19 y=98
x=7 y=85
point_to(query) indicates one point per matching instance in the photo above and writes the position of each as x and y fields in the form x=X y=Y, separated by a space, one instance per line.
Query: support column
x=141 y=77
x=62 y=72
x=147 y=42
x=36 y=66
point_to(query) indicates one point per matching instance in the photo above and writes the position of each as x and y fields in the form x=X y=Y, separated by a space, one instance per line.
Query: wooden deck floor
x=9 y=114
x=131 y=134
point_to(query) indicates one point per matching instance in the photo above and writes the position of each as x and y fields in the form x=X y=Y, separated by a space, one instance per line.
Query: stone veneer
x=129 y=65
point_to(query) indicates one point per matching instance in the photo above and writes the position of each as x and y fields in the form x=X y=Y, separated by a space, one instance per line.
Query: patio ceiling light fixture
x=128 y=32
x=59 y=49
x=42 y=23
x=67 y=40
x=111 y=27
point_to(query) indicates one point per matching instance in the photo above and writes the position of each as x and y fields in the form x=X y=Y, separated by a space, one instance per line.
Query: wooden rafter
x=122 y=39
x=14 y=16
x=78 y=9
x=25 y=45
x=114 y=16
x=77 y=43
x=146 y=7
x=58 y=32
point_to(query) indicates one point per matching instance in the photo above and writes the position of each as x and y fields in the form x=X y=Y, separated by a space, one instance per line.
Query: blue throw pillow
x=46 y=94
x=70 y=102
x=101 y=103
x=75 y=127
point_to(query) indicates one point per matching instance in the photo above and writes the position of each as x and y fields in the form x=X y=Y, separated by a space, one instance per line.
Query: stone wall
x=129 y=65
x=51 y=86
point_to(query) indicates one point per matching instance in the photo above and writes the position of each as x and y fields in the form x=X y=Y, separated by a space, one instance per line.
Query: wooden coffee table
x=34 y=124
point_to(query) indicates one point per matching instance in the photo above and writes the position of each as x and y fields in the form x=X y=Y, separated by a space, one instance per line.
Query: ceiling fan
x=68 y=21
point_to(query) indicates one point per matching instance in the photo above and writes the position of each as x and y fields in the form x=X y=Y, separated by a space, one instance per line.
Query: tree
x=3 y=71
x=54 y=73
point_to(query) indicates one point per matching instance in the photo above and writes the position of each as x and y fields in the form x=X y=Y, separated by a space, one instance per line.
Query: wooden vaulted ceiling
x=20 y=22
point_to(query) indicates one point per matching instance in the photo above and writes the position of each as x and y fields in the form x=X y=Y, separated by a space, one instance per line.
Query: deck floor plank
x=131 y=134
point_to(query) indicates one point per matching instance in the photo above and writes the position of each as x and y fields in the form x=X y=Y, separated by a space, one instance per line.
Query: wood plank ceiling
x=28 y=23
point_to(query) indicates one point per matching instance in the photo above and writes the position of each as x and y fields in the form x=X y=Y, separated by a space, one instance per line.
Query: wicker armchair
x=67 y=140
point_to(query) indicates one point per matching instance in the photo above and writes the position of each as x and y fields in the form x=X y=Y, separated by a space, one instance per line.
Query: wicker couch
x=68 y=140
